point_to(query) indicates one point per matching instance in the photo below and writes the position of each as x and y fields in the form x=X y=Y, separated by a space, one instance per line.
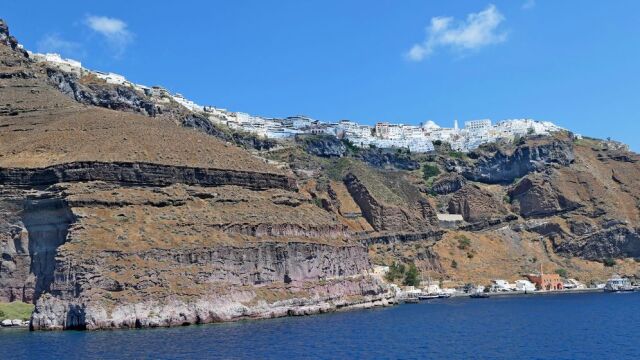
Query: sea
x=564 y=326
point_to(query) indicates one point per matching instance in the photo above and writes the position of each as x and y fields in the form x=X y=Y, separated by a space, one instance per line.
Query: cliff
x=119 y=209
x=116 y=214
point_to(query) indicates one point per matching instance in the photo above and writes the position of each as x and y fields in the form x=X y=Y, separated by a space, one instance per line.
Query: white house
x=499 y=285
x=525 y=285
x=111 y=78
x=476 y=125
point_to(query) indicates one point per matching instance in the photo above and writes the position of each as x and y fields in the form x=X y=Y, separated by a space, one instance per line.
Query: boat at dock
x=618 y=284
x=479 y=295
x=428 y=296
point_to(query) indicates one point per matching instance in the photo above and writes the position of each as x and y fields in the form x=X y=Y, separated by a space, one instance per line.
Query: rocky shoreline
x=364 y=292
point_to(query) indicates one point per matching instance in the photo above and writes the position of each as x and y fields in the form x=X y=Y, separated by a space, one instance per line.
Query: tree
x=609 y=262
x=411 y=277
x=454 y=264
x=395 y=272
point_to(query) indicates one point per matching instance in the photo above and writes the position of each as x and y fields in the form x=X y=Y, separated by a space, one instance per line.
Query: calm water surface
x=579 y=326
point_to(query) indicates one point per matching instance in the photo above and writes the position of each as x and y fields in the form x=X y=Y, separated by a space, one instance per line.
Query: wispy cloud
x=529 y=4
x=113 y=30
x=476 y=31
x=56 y=44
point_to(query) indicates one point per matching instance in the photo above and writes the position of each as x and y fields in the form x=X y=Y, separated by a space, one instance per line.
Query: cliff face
x=502 y=166
x=142 y=174
x=475 y=205
x=115 y=215
x=119 y=209
x=388 y=217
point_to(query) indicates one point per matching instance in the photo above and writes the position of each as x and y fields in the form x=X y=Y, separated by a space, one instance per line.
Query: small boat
x=618 y=284
x=444 y=295
x=410 y=300
x=428 y=296
x=479 y=295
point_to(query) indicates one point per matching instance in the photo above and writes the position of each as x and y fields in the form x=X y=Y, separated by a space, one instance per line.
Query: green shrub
x=429 y=171
x=411 y=277
x=395 y=272
x=454 y=264
x=562 y=272
x=456 y=154
x=463 y=242
x=609 y=262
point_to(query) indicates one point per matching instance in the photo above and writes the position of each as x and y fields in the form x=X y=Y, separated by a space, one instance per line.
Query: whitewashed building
x=477 y=125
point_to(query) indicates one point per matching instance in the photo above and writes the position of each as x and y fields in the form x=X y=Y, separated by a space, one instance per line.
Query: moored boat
x=479 y=295
x=428 y=296
x=618 y=284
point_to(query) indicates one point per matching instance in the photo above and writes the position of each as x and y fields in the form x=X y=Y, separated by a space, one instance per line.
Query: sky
x=571 y=62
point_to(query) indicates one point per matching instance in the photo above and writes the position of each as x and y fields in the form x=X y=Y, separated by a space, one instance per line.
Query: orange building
x=546 y=281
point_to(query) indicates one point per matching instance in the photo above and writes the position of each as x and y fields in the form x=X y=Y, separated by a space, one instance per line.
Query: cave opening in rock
x=47 y=222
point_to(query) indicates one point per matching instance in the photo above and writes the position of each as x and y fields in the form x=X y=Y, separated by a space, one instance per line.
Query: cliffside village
x=415 y=138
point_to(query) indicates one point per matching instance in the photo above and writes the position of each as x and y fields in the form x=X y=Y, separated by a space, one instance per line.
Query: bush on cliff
x=463 y=242
x=609 y=262
x=562 y=272
x=396 y=271
x=411 y=277
x=429 y=171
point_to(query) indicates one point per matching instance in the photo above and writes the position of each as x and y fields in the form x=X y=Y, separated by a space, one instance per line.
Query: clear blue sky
x=575 y=63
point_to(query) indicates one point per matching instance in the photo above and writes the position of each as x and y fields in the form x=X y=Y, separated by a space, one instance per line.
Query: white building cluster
x=383 y=135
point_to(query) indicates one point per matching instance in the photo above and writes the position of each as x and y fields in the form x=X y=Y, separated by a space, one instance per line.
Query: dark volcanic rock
x=536 y=196
x=504 y=167
x=114 y=97
x=142 y=174
x=615 y=242
x=322 y=145
x=448 y=184
x=245 y=140
x=388 y=159
x=7 y=39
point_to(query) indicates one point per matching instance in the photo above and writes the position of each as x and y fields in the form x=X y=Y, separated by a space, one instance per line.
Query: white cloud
x=113 y=30
x=56 y=44
x=478 y=30
x=529 y=4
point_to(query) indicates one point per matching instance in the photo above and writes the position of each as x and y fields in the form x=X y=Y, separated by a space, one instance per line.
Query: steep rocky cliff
x=116 y=215
x=119 y=209
x=505 y=164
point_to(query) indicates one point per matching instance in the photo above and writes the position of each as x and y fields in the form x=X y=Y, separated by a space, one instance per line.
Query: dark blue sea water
x=578 y=326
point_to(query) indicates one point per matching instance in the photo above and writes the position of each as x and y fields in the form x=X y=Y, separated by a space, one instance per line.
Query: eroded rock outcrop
x=448 y=184
x=475 y=204
x=615 y=242
x=142 y=174
x=323 y=145
x=387 y=217
x=536 y=196
x=34 y=226
x=109 y=96
x=505 y=166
